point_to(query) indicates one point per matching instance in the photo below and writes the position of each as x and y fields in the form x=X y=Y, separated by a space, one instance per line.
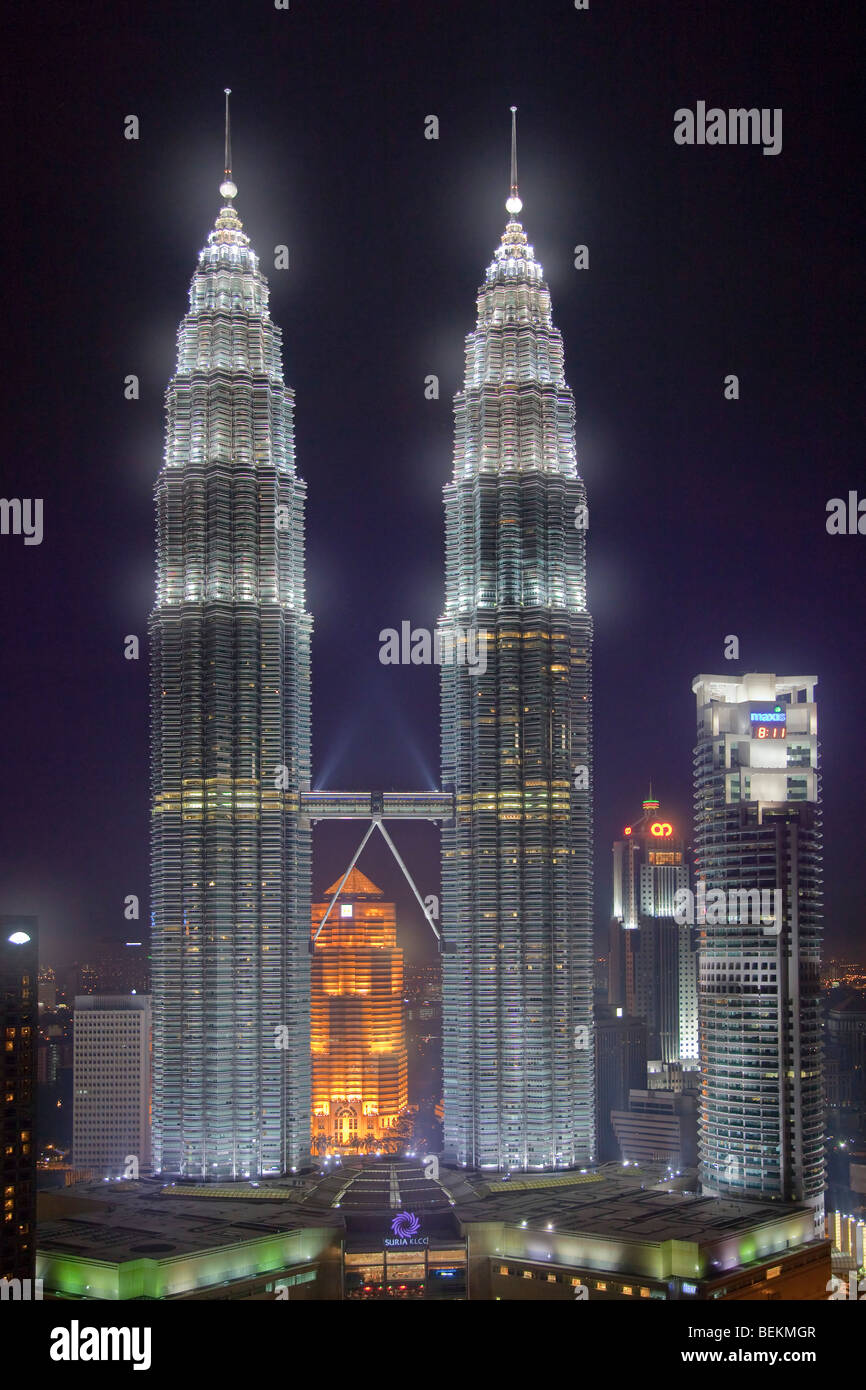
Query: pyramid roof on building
x=356 y=885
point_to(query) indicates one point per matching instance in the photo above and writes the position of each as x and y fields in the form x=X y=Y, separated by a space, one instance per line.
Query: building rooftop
x=357 y=885
x=131 y=1220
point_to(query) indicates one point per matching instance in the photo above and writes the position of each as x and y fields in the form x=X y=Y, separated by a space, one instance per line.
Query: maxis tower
x=516 y=742
x=758 y=837
x=230 y=735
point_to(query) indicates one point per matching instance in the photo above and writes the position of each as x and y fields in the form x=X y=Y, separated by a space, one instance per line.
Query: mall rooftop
x=149 y=1239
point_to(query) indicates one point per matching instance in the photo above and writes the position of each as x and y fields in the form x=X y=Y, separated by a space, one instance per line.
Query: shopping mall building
x=389 y=1229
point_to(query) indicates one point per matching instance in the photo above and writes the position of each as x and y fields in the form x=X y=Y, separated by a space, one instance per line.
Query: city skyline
x=668 y=243
x=448 y=552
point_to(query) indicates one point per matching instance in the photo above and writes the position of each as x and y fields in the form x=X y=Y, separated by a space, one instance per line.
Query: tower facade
x=230 y=740
x=759 y=910
x=360 y=1062
x=516 y=742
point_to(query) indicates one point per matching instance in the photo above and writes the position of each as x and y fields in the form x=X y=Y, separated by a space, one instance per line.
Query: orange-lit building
x=360 y=1068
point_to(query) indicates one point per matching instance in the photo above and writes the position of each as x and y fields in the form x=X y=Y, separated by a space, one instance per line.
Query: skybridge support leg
x=371 y=827
x=374 y=824
x=423 y=906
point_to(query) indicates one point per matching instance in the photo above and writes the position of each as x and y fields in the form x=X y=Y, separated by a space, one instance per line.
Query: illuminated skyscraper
x=230 y=707
x=758 y=843
x=516 y=741
x=653 y=967
x=19 y=966
x=360 y=1065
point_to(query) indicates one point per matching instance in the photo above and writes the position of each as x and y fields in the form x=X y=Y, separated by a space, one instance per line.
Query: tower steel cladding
x=759 y=889
x=516 y=742
x=230 y=740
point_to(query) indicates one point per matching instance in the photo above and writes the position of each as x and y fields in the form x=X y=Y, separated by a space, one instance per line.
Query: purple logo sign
x=405 y=1225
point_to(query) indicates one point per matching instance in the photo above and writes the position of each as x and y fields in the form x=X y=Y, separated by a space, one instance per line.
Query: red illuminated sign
x=662 y=829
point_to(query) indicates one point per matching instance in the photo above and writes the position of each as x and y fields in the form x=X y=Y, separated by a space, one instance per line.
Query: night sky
x=707 y=516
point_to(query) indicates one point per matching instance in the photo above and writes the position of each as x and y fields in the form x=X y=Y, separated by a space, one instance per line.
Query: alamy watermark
x=22 y=516
x=450 y=646
x=846 y=517
x=77 y=1343
x=847 y=1289
x=20 y=1289
x=716 y=908
x=736 y=126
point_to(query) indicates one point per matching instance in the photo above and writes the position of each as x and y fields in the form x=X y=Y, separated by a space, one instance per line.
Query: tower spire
x=513 y=203
x=227 y=188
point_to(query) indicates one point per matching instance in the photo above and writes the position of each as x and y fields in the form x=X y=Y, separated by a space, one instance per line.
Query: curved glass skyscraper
x=230 y=707
x=516 y=742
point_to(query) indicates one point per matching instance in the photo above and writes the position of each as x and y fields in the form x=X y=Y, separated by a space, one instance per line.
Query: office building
x=759 y=910
x=658 y=1127
x=653 y=961
x=112 y=1084
x=620 y=1067
x=360 y=1088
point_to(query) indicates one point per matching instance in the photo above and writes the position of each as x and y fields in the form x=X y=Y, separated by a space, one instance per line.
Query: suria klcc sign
x=405 y=1228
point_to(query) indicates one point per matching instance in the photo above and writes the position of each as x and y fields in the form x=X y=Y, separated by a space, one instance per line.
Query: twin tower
x=232 y=811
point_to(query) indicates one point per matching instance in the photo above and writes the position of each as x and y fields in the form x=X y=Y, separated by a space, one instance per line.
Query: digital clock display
x=769 y=722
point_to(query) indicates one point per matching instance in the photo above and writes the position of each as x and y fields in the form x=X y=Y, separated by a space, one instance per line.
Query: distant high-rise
x=360 y=1089
x=620 y=1067
x=653 y=962
x=230 y=740
x=516 y=742
x=111 y=1086
x=19 y=967
x=758 y=869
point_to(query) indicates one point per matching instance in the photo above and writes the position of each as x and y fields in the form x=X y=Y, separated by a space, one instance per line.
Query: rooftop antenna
x=513 y=203
x=227 y=187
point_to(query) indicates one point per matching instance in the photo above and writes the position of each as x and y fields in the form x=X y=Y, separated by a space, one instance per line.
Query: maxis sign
x=768 y=723
x=405 y=1229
